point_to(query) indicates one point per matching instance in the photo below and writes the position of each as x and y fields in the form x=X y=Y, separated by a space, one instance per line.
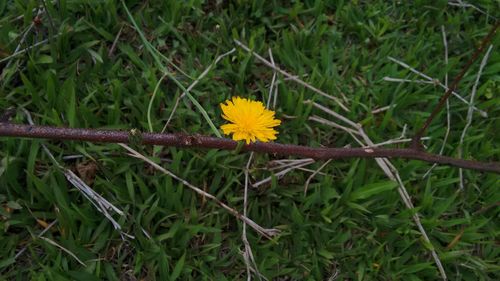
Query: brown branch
x=452 y=88
x=200 y=141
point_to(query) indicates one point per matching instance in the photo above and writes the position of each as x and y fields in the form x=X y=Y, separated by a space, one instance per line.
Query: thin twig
x=470 y=111
x=454 y=84
x=290 y=76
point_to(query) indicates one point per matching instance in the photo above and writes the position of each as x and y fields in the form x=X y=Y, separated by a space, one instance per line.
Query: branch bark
x=201 y=141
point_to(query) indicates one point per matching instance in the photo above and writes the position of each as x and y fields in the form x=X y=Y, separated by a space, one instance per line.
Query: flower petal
x=249 y=120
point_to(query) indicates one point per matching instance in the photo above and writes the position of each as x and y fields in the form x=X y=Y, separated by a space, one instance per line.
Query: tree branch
x=454 y=84
x=201 y=141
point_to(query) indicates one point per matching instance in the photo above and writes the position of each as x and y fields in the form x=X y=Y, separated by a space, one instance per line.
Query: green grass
x=352 y=220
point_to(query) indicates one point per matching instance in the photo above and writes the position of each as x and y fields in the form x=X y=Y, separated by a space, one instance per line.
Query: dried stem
x=470 y=111
x=248 y=254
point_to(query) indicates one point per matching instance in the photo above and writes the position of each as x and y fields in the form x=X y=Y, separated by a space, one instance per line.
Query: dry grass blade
x=266 y=232
x=430 y=80
x=463 y=4
x=332 y=124
x=202 y=75
x=382 y=109
x=448 y=115
x=113 y=46
x=250 y=263
x=290 y=76
x=100 y=203
x=385 y=165
x=273 y=89
x=334 y=114
x=393 y=174
x=471 y=111
x=284 y=172
x=306 y=185
x=39 y=235
x=64 y=249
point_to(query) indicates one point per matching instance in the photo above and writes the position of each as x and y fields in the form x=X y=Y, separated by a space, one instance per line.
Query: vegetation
x=122 y=65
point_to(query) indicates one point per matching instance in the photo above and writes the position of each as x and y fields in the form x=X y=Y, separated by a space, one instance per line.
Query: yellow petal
x=249 y=120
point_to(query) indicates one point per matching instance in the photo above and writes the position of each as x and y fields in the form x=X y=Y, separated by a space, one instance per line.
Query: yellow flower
x=250 y=120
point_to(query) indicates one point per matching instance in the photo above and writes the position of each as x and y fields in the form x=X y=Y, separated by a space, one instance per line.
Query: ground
x=122 y=65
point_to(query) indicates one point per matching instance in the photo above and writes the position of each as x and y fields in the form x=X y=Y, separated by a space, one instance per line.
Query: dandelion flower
x=250 y=120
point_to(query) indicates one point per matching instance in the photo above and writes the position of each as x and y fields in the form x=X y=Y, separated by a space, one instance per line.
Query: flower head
x=250 y=120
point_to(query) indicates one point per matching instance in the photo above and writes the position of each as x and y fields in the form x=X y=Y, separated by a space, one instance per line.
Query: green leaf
x=44 y=59
x=14 y=205
x=178 y=268
x=7 y=262
x=68 y=89
x=96 y=56
x=373 y=189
